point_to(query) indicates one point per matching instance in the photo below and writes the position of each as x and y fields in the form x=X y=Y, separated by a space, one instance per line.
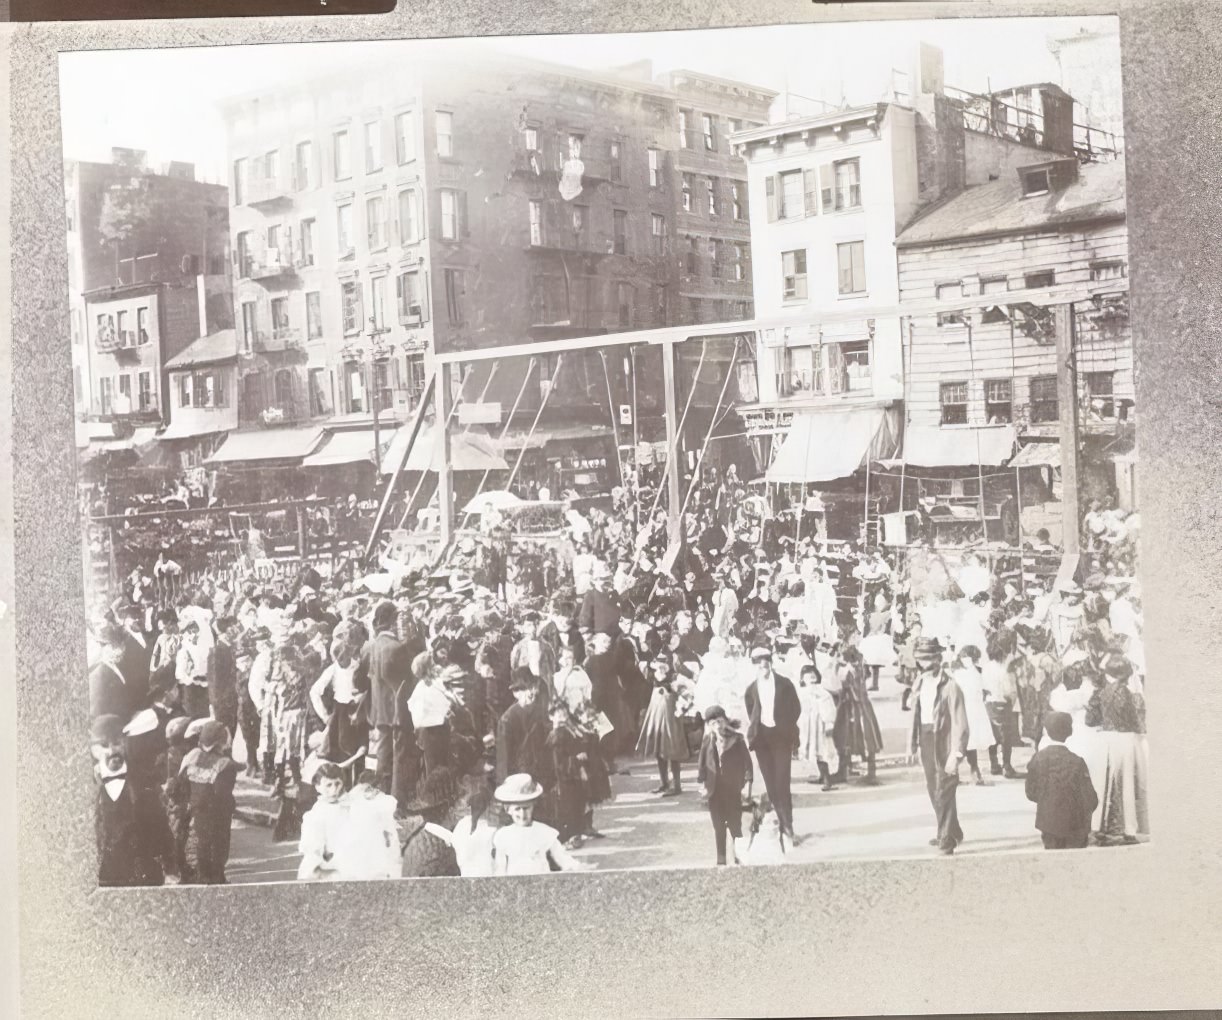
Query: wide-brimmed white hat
x=519 y=789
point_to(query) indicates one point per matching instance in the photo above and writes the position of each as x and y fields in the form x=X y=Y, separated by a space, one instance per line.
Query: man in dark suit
x=939 y=733
x=773 y=709
x=1058 y=783
x=390 y=675
x=521 y=734
x=724 y=776
x=600 y=608
x=137 y=649
x=110 y=692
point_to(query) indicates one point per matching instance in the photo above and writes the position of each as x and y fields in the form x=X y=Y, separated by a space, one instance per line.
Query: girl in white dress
x=472 y=838
x=525 y=847
x=372 y=848
x=971 y=682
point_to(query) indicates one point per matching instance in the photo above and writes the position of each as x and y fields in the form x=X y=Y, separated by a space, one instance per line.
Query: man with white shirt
x=773 y=711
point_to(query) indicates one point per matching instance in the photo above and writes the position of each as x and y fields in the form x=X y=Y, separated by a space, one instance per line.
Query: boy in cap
x=725 y=777
x=210 y=773
x=1059 y=784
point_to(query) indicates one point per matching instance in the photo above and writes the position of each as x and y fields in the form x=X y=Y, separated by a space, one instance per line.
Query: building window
x=793 y=272
x=280 y=317
x=575 y=144
x=802 y=371
x=851 y=267
x=530 y=138
x=948 y=292
x=184 y=390
x=740 y=262
x=383 y=394
x=1100 y=402
x=314 y=315
x=355 y=387
x=1111 y=270
x=124 y=404
x=623 y=301
x=273 y=244
x=1039 y=280
x=239 y=182
x=953 y=398
x=998 y=401
x=536 y=222
x=142 y=327
x=581 y=222
x=375 y=222
x=689 y=183
x=791 y=196
x=344 y=230
x=126 y=337
x=614 y=163
x=250 y=325
x=712 y=195
x=377 y=293
x=655 y=168
x=710 y=136
x=415 y=377
x=341 y=156
x=284 y=391
x=848 y=183
x=145 y=383
x=691 y=257
x=685 y=140
x=409 y=220
x=320 y=403
x=657 y=229
x=351 y=298
x=994 y=284
x=619 y=220
x=405 y=142
x=736 y=199
x=245 y=258
x=855 y=357
x=445 y=133
x=373 y=147
x=454 y=296
x=271 y=166
x=1035 y=182
x=695 y=311
x=301 y=167
x=716 y=249
x=307 y=242
x=1044 y=399
x=407 y=293
x=453 y=214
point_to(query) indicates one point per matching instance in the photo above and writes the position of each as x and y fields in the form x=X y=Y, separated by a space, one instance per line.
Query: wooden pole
x=1067 y=406
x=672 y=439
x=445 y=474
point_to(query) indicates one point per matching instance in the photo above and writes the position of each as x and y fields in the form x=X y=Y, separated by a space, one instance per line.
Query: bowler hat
x=929 y=646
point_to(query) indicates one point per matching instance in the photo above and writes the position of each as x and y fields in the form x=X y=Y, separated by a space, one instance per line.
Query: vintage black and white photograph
x=510 y=456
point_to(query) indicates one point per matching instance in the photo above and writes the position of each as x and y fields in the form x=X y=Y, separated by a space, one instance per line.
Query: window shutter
x=399 y=295
x=827 y=186
x=770 y=188
x=810 y=192
x=463 y=228
x=859 y=265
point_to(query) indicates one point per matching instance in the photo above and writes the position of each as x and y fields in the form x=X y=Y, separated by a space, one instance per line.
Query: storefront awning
x=344 y=448
x=469 y=451
x=516 y=439
x=194 y=428
x=822 y=446
x=931 y=446
x=267 y=444
x=1038 y=455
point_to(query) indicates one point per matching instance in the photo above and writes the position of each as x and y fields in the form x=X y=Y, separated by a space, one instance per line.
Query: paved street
x=642 y=830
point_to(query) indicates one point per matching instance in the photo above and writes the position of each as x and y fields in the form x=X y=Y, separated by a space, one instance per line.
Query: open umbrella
x=495 y=499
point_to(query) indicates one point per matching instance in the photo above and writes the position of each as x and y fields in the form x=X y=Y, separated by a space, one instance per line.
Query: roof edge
x=1072 y=221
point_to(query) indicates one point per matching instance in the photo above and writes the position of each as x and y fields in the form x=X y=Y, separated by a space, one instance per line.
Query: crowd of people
x=471 y=720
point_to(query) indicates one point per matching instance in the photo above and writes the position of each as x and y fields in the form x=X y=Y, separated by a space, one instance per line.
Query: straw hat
x=519 y=789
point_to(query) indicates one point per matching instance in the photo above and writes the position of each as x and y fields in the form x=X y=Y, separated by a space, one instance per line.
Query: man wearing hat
x=390 y=671
x=940 y=735
x=129 y=847
x=600 y=608
x=110 y=692
x=521 y=734
x=773 y=711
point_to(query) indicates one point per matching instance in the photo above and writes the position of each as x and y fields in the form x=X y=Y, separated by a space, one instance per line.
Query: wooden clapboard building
x=986 y=272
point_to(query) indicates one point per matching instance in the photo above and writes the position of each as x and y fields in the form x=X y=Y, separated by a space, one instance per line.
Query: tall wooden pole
x=672 y=440
x=445 y=477
x=1067 y=408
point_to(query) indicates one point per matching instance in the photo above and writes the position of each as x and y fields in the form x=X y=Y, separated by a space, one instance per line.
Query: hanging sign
x=625 y=414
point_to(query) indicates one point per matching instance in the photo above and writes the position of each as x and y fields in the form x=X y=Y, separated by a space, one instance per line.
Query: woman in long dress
x=1121 y=713
x=980 y=737
x=662 y=733
x=818 y=726
x=856 y=724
